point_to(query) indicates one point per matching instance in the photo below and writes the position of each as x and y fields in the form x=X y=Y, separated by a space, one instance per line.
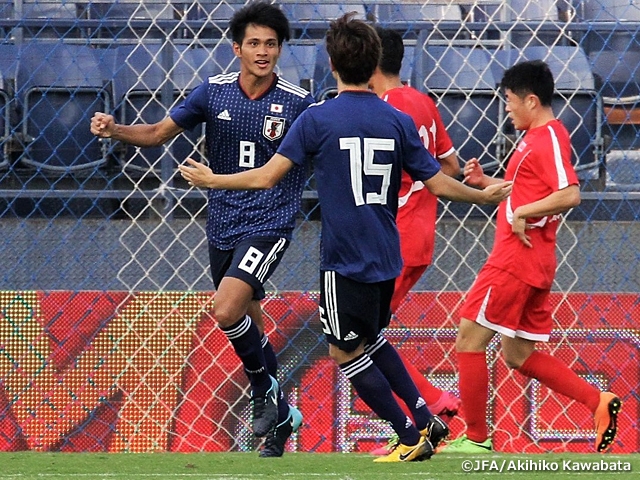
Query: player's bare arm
x=449 y=165
x=141 y=135
x=474 y=175
x=262 y=178
x=444 y=186
x=556 y=203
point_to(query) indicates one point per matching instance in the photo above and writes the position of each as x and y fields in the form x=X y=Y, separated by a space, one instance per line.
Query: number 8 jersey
x=242 y=133
x=359 y=145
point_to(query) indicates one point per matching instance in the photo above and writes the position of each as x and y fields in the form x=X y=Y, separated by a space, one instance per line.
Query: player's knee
x=225 y=314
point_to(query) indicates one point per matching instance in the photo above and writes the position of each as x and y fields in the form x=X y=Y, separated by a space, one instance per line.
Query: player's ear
x=237 y=49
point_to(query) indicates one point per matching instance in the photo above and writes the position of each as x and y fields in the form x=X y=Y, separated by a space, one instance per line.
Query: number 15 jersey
x=359 y=145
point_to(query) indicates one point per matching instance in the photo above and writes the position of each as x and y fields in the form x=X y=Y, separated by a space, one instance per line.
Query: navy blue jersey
x=359 y=145
x=241 y=134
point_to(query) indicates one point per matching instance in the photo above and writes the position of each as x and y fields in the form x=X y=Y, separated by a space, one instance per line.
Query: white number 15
x=360 y=166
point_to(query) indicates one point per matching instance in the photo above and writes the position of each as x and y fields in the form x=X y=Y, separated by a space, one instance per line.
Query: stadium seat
x=297 y=64
x=59 y=87
x=127 y=10
x=34 y=9
x=618 y=84
x=324 y=85
x=139 y=77
x=617 y=73
x=411 y=12
x=8 y=67
x=608 y=10
x=6 y=8
x=623 y=170
x=463 y=83
x=532 y=10
x=319 y=11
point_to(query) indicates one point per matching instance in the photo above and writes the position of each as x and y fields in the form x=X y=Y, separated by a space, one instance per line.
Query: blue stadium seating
x=607 y=10
x=618 y=73
x=618 y=77
x=462 y=81
x=59 y=87
x=412 y=12
x=138 y=71
x=297 y=64
x=319 y=11
x=8 y=67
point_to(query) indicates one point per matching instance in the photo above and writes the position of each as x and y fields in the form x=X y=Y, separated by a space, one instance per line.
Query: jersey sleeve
x=417 y=161
x=192 y=110
x=298 y=142
x=554 y=151
x=444 y=145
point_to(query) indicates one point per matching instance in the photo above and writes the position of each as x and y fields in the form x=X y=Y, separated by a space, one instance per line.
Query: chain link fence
x=106 y=341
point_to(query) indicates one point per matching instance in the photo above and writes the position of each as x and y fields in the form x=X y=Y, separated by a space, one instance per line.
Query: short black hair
x=259 y=13
x=392 y=51
x=354 y=49
x=534 y=77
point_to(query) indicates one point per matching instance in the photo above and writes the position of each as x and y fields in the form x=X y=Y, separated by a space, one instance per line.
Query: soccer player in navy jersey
x=359 y=145
x=247 y=114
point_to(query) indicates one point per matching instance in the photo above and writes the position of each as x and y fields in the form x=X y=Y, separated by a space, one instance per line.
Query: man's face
x=259 y=51
x=519 y=109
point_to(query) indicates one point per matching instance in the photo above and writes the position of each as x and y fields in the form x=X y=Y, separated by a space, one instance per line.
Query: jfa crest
x=273 y=127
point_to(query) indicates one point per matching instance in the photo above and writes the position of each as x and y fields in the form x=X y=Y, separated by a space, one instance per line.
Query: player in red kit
x=511 y=293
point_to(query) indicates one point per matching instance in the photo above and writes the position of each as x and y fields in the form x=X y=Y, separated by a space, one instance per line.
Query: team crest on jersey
x=273 y=127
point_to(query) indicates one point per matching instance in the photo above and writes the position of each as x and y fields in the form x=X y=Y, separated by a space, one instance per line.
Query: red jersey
x=417 y=207
x=540 y=166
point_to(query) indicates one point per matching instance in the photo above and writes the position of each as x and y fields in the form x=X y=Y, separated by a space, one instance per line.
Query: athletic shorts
x=253 y=261
x=352 y=311
x=501 y=302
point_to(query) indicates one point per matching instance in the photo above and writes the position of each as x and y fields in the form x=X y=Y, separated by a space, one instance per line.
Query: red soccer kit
x=417 y=207
x=514 y=302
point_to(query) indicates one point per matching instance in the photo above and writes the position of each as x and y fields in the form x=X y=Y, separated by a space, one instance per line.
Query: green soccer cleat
x=464 y=445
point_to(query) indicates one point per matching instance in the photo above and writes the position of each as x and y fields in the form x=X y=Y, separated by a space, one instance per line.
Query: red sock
x=555 y=375
x=474 y=389
x=430 y=393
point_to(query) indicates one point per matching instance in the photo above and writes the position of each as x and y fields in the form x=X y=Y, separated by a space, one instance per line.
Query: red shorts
x=501 y=302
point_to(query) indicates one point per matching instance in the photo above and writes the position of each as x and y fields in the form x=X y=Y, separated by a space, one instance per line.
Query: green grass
x=293 y=466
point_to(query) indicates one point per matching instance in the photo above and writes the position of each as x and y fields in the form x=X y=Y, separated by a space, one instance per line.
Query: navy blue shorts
x=352 y=311
x=253 y=261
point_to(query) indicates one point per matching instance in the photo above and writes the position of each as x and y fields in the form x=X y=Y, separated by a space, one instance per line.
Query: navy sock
x=272 y=367
x=386 y=358
x=374 y=389
x=245 y=338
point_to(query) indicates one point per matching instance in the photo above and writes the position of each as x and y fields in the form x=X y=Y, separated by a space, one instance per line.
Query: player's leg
x=520 y=354
x=489 y=301
x=438 y=401
x=289 y=417
x=239 y=276
x=387 y=359
x=350 y=312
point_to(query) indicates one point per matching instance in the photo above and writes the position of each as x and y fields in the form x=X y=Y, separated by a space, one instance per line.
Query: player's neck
x=342 y=86
x=389 y=83
x=254 y=87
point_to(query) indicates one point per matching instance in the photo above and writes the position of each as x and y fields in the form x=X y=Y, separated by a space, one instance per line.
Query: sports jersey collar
x=357 y=92
x=265 y=93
